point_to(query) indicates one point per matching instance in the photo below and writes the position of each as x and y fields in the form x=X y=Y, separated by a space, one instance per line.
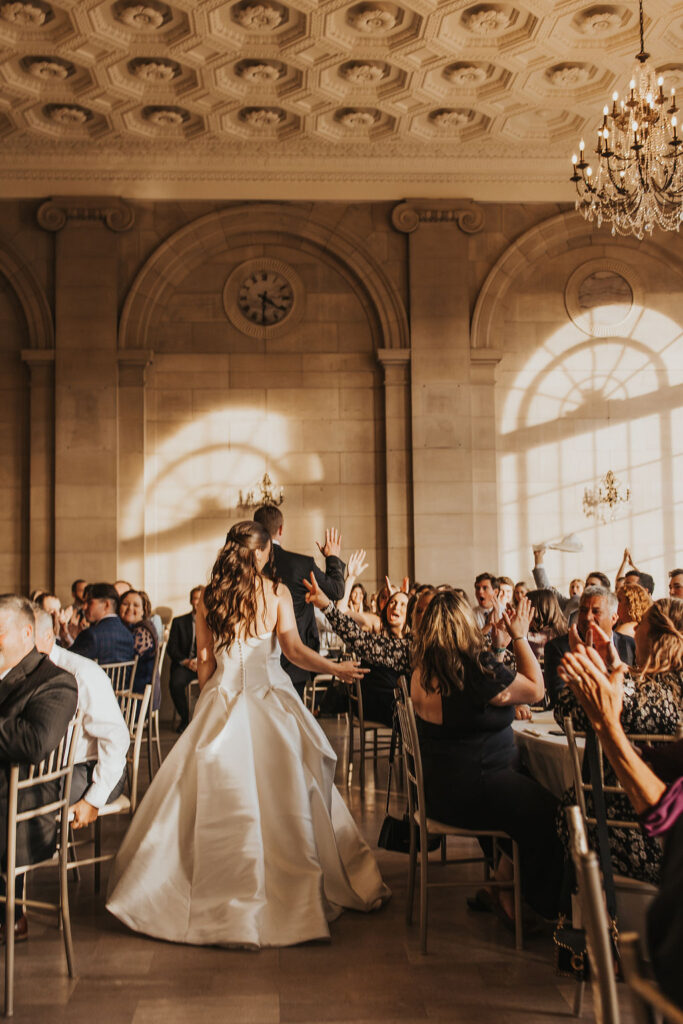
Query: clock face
x=265 y=297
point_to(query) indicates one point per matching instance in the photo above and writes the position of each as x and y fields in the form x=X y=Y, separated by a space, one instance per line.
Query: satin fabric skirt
x=242 y=838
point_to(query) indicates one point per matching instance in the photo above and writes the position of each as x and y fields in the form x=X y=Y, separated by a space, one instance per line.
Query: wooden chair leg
x=578 y=998
x=361 y=773
x=64 y=914
x=149 y=746
x=424 y=860
x=349 y=749
x=519 y=940
x=9 y=942
x=98 y=851
x=412 y=853
x=157 y=739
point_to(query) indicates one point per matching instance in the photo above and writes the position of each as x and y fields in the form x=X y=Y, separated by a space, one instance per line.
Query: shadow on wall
x=578 y=407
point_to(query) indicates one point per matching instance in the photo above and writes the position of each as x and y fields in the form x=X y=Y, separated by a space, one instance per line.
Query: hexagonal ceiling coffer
x=358 y=119
x=260 y=72
x=489 y=19
x=26 y=13
x=147 y=17
x=166 y=116
x=375 y=19
x=364 y=72
x=154 y=69
x=601 y=20
x=69 y=115
x=262 y=118
x=260 y=15
x=48 y=69
x=451 y=119
x=570 y=75
x=467 y=74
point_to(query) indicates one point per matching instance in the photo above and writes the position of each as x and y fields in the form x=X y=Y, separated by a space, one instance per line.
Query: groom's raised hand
x=332 y=545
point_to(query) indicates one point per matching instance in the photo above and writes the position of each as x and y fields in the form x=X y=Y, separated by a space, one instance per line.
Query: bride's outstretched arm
x=206 y=661
x=297 y=652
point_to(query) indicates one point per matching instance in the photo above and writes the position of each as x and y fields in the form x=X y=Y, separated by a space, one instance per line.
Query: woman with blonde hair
x=242 y=838
x=653 y=704
x=634 y=601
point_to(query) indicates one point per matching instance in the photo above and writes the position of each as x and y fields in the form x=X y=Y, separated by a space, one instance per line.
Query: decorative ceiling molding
x=408 y=216
x=448 y=92
x=53 y=214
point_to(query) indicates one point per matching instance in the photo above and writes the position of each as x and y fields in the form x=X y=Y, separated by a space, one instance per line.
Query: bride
x=242 y=838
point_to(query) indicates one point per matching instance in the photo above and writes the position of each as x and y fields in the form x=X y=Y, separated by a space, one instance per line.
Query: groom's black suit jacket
x=292 y=570
x=37 y=702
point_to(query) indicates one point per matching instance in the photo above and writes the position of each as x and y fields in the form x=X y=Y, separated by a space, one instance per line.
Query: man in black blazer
x=182 y=651
x=293 y=569
x=597 y=605
x=107 y=641
x=37 y=702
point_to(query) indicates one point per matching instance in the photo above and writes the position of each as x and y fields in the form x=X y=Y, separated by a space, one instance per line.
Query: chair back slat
x=122 y=674
x=134 y=708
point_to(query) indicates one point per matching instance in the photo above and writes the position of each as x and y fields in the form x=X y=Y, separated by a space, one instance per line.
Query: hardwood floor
x=371 y=970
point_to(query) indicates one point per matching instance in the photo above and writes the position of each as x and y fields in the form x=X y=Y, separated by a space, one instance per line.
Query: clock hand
x=265 y=297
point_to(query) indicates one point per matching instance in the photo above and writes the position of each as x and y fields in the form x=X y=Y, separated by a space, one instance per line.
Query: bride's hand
x=315 y=595
x=349 y=671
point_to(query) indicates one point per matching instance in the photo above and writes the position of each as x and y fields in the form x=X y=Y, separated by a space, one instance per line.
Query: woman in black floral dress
x=653 y=705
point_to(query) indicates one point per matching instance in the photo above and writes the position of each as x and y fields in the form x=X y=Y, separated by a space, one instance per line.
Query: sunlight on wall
x=193 y=475
x=576 y=407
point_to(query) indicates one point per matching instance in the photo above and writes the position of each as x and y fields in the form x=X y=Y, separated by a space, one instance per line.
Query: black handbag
x=571 y=953
x=394 y=834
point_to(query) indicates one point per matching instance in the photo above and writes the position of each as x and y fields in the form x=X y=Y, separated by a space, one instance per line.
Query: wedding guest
x=135 y=611
x=357 y=608
x=292 y=569
x=676 y=583
x=182 y=652
x=634 y=601
x=643 y=579
x=652 y=703
x=37 y=701
x=600 y=693
x=107 y=640
x=99 y=775
x=74 y=613
x=381 y=681
x=519 y=592
x=597 y=605
x=505 y=591
x=576 y=588
x=485 y=587
x=464 y=700
x=548 y=621
x=358 y=598
x=568 y=604
x=122 y=587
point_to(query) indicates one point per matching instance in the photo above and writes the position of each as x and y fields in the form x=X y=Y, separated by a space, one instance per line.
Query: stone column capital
x=41 y=363
x=396 y=362
x=409 y=214
x=133 y=365
x=54 y=213
x=483 y=362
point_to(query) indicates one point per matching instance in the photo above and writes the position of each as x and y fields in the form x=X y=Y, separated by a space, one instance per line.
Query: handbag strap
x=595 y=774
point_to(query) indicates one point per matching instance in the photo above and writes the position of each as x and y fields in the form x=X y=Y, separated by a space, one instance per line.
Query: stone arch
x=545 y=240
x=273 y=223
x=31 y=297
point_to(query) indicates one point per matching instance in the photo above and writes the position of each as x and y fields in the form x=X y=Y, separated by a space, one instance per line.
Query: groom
x=293 y=569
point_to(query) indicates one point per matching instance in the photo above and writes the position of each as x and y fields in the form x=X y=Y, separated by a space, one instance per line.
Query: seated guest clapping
x=597 y=606
x=135 y=611
x=182 y=652
x=37 y=701
x=600 y=692
x=652 y=704
x=100 y=762
x=107 y=641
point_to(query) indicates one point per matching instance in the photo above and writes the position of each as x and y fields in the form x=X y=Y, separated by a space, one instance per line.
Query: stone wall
x=458 y=376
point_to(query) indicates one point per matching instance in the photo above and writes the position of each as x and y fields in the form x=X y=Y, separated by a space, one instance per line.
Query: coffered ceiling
x=298 y=99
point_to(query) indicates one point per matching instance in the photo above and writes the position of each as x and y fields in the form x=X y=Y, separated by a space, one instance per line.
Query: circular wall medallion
x=264 y=297
x=603 y=297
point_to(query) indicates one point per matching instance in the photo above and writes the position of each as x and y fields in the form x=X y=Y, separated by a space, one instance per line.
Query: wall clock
x=264 y=297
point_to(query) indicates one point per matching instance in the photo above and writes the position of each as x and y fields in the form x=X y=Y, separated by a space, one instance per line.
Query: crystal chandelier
x=266 y=495
x=603 y=501
x=635 y=182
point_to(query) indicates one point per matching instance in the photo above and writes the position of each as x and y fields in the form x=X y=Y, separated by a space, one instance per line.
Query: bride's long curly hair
x=231 y=596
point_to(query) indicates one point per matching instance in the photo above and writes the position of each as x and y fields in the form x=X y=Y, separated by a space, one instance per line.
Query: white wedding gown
x=242 y=838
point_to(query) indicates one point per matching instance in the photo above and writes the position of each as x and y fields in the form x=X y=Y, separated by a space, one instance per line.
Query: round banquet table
x=546 y=755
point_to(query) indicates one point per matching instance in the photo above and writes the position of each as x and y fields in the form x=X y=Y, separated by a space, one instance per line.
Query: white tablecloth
x=545 y=755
